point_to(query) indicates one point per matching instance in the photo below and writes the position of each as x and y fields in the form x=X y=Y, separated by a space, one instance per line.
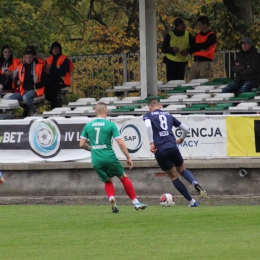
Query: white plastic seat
x=79 y=110
x=199 y=81
x=200 y=89
x=127 y=100
x=159 y=82
x=133 y=83
x=106 y=100
x=244 y=106
x=190 y=85
x=221 y=96
x=82 y=102
x=175 y=82
x=197 y=97
x=174 y=98
x=57 y=111
x=9 y=104
x=143 y=109
x=7 y=95
x=173 y=107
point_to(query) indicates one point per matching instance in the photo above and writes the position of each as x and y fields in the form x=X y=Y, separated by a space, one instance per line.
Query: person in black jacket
x=246 y=67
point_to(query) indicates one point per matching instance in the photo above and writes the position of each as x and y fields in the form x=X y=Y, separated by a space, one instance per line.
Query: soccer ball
x=44 y=136
x=167 y=200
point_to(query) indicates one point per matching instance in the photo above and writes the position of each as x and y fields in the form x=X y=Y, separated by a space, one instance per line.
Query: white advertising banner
x=206 y=138
x=57 y=139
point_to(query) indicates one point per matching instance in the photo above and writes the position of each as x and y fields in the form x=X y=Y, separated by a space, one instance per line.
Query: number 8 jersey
x=162 y=123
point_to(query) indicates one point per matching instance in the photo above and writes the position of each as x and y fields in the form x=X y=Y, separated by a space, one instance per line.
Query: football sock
x=129 y=188
x=192 y=202
x=182 y=189
x=109 y=188
x=135 y=201
x=187 y=175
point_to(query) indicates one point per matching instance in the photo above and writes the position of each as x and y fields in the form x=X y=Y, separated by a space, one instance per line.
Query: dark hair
x=28 y=52
x=153 y=102
x=32 y=49
x=204 y=20
x=2 y=59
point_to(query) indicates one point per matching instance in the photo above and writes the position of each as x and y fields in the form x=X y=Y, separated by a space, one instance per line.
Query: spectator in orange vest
x=57 y=65
x=31 y=81
x=203 y=50
x=8 y=65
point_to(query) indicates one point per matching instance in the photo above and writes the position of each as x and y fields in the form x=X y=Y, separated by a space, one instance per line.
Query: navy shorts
x=168 y=158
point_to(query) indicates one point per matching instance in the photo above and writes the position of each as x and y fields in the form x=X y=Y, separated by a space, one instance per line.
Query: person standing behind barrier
x=100 y=133
x=59 y=68
x=8 y=65
x=163 y=144
x=203 y=50
x=246 y=67
x=31 y=81
x=176 y=46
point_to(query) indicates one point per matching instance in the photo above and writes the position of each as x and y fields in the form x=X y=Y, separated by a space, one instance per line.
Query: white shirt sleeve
x=149 y=129
x=185 y=130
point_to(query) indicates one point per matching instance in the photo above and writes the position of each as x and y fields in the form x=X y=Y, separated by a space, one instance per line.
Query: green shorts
x=107 y=170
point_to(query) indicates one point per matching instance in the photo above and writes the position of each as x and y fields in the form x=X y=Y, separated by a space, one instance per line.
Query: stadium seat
x=219 y=81
x=6 y=104
x=174 y=98
x=106 y=100
x=222 y=106
x=244 y=96
x=171 y=108
x=175 y=82
x=82 y=102
x=141 y=101
x=143 y=109
x=194 y=85
x=201 y=81
x=200 y=89
x=125 y=108
x=196 y=107
x=78 y=111
x=57 y=111
x=220 y=97
x=244 y=106
x=127 y=100
x=177 y=90
x=132 y=83
x=217 y=89
x=197 y=97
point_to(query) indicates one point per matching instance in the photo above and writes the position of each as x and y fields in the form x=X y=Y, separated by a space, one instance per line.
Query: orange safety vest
x=209 y=53
x=60 y=60
x=12 y=67
x=37 y=77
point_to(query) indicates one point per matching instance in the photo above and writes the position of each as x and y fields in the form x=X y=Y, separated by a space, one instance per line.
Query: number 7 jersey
x=162 y=123
x=100 y=133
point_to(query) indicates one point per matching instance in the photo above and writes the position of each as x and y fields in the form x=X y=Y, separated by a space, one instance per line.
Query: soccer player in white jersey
x=163 y=144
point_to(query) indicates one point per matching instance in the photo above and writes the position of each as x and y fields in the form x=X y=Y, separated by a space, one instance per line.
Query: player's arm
x=83 y=144
x=149 y=130
x=185 y=131
x=2 y=180
x=123 y=148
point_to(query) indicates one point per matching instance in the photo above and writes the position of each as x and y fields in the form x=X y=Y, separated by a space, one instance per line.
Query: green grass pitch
x=93 y=232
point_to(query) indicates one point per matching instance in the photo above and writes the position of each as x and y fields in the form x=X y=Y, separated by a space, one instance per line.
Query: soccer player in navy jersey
x=163 y=144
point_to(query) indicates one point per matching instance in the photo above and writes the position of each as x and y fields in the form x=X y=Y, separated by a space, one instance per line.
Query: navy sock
x=187 y=175
x=182 y=189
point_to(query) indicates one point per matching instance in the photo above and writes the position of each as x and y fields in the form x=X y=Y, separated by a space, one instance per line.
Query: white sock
x=194 y=182
x=135 y=201
x=192 y=202
x=110 y=198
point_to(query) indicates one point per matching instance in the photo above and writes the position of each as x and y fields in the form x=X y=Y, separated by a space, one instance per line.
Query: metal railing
x=93 y=74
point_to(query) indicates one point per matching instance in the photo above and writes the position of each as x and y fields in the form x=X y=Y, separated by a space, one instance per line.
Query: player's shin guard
x=129 y=188
x=109 y=188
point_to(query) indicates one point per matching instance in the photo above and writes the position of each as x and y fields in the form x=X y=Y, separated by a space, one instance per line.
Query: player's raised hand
x=130 y=164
